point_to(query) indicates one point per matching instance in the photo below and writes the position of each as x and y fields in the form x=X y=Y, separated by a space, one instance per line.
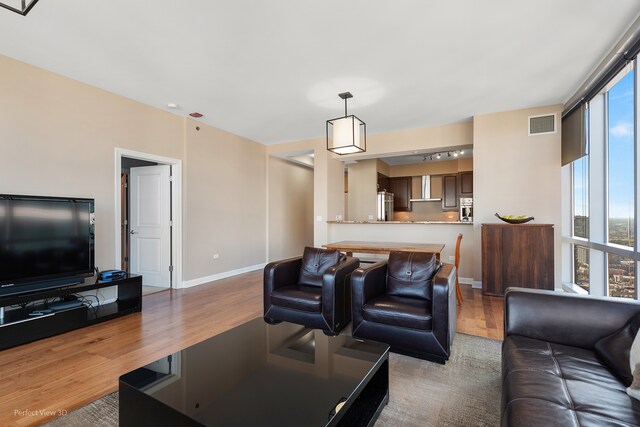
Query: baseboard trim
x=219 y=276
x=476 y=284
x=465 y=280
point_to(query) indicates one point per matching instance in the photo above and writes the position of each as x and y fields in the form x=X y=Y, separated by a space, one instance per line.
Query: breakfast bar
x=351 y=246
x=378 y=238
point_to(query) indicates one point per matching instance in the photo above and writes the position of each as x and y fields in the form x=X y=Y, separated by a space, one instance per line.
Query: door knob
x=133 y=232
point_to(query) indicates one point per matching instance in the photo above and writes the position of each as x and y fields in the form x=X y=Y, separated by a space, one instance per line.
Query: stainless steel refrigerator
x=385 y=206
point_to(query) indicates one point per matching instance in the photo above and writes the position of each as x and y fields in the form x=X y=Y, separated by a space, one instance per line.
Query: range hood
x=425 y=191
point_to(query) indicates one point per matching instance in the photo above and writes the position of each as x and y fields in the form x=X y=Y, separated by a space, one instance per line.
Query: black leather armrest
x=281 y=273
x=570 y=319
x=335 y=278
x=336 y=292
x=368 y=283
x=444 y=303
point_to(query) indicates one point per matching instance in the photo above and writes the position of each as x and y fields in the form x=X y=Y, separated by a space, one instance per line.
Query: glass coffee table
x=258 y=374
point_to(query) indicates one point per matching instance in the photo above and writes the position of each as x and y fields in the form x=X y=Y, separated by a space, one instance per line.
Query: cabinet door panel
x=401 y=189
x=517 y=255
x=449 y=193
x=466 y=184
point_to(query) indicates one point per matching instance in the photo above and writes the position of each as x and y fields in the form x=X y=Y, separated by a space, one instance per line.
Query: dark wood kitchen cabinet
x=383 y=183
x=516 y=255
x=450 y=193
x=465 y=181
x=401 y=189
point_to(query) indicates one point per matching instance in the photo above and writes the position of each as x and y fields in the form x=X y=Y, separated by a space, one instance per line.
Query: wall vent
x=540 y=125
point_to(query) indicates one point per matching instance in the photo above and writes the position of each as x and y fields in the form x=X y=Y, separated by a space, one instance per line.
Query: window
x=581 y=197
x=602 y=241
x=621 y=276
x=620 y=175
x=581 y=266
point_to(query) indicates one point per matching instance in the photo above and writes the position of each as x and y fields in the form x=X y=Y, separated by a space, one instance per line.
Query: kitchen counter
x=402 y=222
x=420 y=232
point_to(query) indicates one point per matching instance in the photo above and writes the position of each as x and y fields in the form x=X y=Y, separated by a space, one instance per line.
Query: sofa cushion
x=409 y=274
x=315 y=262
x=553 y=384
x=298 y=297
x=411 y=313
x=614 y=350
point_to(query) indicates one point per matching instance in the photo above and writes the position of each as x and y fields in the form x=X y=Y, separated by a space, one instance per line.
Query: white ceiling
x=271 y=71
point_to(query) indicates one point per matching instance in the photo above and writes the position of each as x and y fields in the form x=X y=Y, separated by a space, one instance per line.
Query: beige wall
x=58 y=137
x=225 y=204
x=383 y=168
x=363 y=180
x=407 y=141
x=328 y=183
x=516 y=174
x=290 y=208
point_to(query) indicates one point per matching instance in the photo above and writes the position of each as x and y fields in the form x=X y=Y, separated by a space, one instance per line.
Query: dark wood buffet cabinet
x=516 y=255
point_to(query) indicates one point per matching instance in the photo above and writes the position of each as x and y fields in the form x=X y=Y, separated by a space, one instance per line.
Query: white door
x=150 y=228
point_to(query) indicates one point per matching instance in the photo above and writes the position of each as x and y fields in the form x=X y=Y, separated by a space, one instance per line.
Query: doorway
x=148 y=216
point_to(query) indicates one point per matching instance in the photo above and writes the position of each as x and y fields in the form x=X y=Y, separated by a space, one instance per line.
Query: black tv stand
x=18 y=326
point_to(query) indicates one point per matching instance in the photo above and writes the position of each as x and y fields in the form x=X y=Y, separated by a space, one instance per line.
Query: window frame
x=597 y=241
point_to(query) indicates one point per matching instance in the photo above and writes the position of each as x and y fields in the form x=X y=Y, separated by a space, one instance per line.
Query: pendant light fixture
x=348 y=134
x=18 y=6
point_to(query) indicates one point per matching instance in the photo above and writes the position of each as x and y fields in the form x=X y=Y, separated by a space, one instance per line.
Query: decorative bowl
x=515 y=221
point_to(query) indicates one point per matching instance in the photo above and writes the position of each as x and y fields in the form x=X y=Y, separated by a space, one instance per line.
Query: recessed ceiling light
x=195 y=114
x=173 y=106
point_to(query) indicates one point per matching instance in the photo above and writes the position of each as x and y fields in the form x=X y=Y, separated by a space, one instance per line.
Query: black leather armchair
x=408 y=302
x=312 y=290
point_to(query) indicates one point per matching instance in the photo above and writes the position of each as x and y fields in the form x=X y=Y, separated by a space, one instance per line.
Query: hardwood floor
x=67 y=371
x=480 y=315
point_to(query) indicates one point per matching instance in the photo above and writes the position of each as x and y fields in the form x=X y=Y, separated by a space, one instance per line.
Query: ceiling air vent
x=540 y=125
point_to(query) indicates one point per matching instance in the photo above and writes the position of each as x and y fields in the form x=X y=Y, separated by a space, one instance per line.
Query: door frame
x=176 y=207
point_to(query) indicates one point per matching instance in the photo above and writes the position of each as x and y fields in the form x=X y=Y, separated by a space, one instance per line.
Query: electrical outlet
x=216 y=256
x=370 y=217
x=452 y=258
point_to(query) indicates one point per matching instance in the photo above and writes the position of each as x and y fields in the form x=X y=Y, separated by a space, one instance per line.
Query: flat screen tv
x=44 y=242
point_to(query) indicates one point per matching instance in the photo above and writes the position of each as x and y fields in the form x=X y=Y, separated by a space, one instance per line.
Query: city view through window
x=621 y=188
x=621 y=194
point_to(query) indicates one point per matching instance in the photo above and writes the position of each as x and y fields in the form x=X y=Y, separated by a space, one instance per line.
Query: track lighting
x=450 y=154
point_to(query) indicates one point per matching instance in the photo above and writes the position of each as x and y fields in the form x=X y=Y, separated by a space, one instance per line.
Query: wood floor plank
x=72 y=369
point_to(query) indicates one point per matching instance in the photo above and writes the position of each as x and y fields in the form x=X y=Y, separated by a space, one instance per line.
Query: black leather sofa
x=408 y=302
x=565 y=360
x=311 y=290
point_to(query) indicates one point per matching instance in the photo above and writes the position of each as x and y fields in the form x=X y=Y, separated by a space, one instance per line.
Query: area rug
x=464 y=392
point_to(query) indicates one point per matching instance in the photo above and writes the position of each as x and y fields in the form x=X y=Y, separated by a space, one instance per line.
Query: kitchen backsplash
x=426 y=211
